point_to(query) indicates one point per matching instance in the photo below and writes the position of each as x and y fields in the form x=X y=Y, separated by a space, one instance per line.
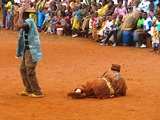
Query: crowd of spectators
x=108 y=22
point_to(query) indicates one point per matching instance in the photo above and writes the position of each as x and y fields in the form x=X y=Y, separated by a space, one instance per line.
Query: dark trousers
x=28 y=74
x=4 y=16
x=114 y=33
x=140 y=37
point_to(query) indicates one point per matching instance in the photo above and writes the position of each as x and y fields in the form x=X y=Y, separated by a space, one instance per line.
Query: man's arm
x=20 y=21
x=24 y=26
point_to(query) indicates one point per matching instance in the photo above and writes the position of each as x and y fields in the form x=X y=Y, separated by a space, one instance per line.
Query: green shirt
x=140 y=22
x=158 y=26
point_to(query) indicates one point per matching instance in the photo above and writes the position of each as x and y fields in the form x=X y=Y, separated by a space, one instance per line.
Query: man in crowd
x=4 y=13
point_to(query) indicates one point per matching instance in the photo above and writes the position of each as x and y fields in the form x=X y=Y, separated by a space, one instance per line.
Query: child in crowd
x=111 y=29
x=63 y=22
x=155 y=38
x=85 y=26
x=95 y=25
x=51 y=28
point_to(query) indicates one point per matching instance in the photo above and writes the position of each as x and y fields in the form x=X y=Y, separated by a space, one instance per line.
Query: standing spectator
x=155 y=38
x=95 y=25
x=105 y=6
x=158 y=10
x=158 y=24
x=120 y=10
x=77 y=19
x=9 y=9
x=16 y=15
x=4 y=12
x=40 y=13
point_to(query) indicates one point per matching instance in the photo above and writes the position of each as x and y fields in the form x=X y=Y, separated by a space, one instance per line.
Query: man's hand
x=19 y=58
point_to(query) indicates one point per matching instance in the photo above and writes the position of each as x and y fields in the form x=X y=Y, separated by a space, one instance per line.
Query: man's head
x=25 y=15
x=120 y=4
x=27 y=12
x=145 y=15
x=8 y=0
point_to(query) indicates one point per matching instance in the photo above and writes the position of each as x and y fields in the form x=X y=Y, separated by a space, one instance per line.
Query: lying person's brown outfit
x=105 y=87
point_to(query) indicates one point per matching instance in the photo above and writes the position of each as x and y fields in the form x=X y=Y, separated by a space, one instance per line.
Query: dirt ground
x=68 y=62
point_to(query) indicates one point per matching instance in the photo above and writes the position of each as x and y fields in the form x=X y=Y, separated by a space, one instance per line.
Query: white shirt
x=146 y=25
x=17 y=1
x=144 y=5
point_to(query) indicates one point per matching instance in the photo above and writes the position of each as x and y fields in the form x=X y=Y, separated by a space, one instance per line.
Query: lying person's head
x=116 y=67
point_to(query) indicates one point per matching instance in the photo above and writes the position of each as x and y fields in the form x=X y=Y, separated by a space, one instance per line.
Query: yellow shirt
x=9 y=6
x=102 y=11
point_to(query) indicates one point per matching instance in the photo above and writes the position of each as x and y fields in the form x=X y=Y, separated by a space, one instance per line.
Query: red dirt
x=68 y=62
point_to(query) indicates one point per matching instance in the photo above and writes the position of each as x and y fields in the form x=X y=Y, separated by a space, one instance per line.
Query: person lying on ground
x=110 y=85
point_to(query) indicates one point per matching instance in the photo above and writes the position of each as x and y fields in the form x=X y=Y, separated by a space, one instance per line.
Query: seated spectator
x=100 y=32
x=120 y=10
x=139 y=36
x=111 y=29
x=128 y=27
x=52 y=24
x=119 y=22
x=85 y=26
x=68 y=26
x=140 y=21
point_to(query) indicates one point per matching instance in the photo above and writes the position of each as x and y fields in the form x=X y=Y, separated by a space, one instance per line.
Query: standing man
x=9 y=9
x=4 y=12
x=29 y=50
